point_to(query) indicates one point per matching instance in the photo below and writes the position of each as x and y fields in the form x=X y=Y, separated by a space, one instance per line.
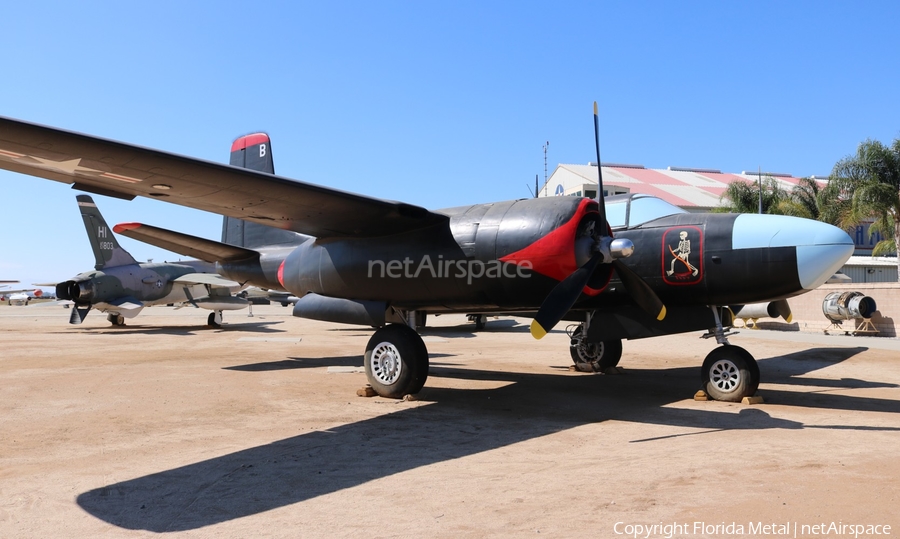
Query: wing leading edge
x=126 y=171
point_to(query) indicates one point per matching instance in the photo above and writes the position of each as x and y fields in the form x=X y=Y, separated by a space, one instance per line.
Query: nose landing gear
x=729 y=373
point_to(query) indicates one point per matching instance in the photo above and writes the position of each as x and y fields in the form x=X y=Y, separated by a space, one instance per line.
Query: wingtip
x=122 y=227
x=537 y=331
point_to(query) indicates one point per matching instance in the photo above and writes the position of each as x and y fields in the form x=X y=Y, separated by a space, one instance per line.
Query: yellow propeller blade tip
x=662 y=313
x=537 y=331
x=789 y=318
x=595 y=108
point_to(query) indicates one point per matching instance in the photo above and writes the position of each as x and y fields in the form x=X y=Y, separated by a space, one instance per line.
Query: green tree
x=807 y=200
x=743 y=197
x=867 y=184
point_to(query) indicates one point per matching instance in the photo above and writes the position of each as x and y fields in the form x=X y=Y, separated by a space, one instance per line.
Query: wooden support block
x=755 y=399
x=701 y=396
x=366 y=392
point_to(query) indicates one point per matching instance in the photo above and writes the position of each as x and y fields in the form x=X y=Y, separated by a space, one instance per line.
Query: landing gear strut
x=396 y=361
x=479 y=319
x=729 y=373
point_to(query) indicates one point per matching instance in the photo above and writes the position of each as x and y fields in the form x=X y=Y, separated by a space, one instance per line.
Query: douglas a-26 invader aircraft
x=607 y=264
x=122 y=287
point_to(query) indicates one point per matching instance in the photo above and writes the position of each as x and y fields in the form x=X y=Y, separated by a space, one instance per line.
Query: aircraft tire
x=116 y=319
x=396 y=361
x=594 y=357
x=729 y=374
x=480 y=321
x=211 y=320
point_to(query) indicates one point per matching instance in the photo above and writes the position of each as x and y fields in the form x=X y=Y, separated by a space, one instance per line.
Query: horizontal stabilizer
x=184 y=244
x=211 y=279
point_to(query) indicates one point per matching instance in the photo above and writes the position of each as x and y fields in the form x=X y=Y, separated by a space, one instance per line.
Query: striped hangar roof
x=684 y=187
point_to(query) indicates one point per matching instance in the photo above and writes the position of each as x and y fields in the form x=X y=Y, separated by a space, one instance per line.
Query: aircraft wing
x=183 y=244
x=211 y=279
x=126 y=171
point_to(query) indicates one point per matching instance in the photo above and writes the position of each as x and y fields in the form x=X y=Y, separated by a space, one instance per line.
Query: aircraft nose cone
x=821 y=248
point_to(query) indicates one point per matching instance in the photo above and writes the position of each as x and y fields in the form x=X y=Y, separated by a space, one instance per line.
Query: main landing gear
x=593 y=357
x=729 y=373
x=116 y=319
x=214 y=320
x=396 y=360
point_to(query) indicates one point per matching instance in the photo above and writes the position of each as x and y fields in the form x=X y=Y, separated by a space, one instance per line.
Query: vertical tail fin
x=255 y=152
x=107 y=251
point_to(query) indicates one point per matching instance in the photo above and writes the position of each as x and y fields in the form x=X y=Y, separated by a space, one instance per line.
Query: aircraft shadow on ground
x=792 y=370
x=136 y=329
x=455 y=423
x=312 y=363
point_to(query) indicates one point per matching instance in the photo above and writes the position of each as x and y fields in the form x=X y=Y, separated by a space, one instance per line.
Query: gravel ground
x=255 y=430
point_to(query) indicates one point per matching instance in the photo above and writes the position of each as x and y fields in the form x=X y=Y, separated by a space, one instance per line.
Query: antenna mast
x=545 y=163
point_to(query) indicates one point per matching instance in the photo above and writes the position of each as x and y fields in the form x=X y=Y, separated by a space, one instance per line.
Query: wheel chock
x=701 y=396
x=755 y=399
x=366 y=392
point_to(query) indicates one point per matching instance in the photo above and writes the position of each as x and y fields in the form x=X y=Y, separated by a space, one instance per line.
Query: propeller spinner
x=606 y=250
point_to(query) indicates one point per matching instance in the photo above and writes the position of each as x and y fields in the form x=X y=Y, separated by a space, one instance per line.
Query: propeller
x=607 y=250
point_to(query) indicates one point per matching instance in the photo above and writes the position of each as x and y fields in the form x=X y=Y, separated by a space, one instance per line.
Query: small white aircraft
x=18 y=297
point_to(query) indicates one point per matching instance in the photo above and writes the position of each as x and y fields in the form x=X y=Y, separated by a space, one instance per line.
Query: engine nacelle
x=77 y=291
x=839 y=306
x=494 y=254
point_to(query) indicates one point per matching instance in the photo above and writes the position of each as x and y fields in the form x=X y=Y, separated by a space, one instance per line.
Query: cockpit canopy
x=632 y=210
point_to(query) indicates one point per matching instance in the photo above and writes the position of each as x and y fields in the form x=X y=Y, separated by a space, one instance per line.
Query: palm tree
x=806 y=200
x=743 y=197
x=868 y=183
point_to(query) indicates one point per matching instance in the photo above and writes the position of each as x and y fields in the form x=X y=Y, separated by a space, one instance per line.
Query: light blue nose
x=821 y=248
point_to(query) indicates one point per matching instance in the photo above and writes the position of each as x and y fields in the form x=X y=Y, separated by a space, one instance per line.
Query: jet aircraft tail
x=255 y=152
x=107 y=251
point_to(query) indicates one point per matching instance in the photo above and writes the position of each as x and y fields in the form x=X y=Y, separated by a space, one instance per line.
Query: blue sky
x=434 y=103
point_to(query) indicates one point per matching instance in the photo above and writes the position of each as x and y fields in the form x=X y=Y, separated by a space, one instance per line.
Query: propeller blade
x=562 y=297
x=640 y=291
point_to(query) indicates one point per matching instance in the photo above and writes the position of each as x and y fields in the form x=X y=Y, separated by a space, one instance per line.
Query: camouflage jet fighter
x=642 y=268
x=121 y=287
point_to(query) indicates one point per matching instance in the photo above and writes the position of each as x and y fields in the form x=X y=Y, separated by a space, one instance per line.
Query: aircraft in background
x=122 y=287
x=21 y=296
x=622 y=267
